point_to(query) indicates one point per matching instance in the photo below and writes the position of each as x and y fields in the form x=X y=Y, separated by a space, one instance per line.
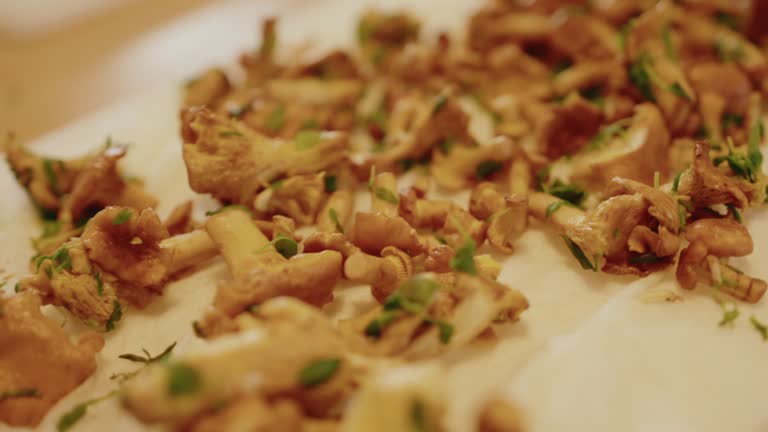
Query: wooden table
x=49 y=81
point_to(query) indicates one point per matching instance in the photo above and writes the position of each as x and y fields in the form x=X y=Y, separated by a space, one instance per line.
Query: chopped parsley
x=285 y=246
x=306 y=139
x=447 y=145
x=568 y=192
x=117 y=314
x=731 y=119
x=387 y=195
x=413 y=296
x=99 y=284
x=624 y=32
x=445 y=330
x=147 y=358
x=419 y=421
x=319 y=371
x=746 y=165
x=230 y=133
x=677 y=90
x=729 y=315
x=487 y=168
x=729 y=51
x=641 y=78
x=606 y=133
x=122 y=217
x=645 y=259
x=561 y=66
x=60 y=259
x=554 y=207
x=378 y=324
x=71 y=417
x=22 y=393
x=222 y=209
x=727 y=20
x=51 y=228
x=576 y=251
x=736 y=213
x=760 y=327
x=335 y=219
x=676 y=181
x=669 y=47
x=183 y=379
x=464 y=258
x=276 y=119
x=50 y=176
x=439 y=104
x=330 y=183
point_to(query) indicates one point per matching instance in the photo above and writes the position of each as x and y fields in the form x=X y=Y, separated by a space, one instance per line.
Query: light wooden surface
x=49 y=81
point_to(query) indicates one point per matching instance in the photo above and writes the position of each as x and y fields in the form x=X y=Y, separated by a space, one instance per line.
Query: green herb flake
x=230 y=133
x=676 y=181
x=51 y=228
x=439 y=104
x=576 y=251
x=71 y=417
x=754 y=155
x=387 y=195
x=727 y=20
x=379 y=118
x=276 y=119
x=487 y=168
x=122 y=217
x=378 y=324
x=729 y=51
x=561 y=66
x=330 y=182
x=285 y=246
x=99 y=284
x=567 y=192
x=418 y=414
x=760 y=327
x=677 y=90
x=277 y=184
x=319 y=371
x=464 y=258
x=645 y=259
x=553 y=208
x=729 y=314
x=641 y=78
x=616 y=233
x=306 y=139
x=335 y=219
x=624 y=32
x=183 y=379
x=669 y=46
x=736 y=213
x=147 y=358
x=117 y=314
x=445 y=331
x=22 y=393
x=310 y=124
x=731 y=119
x=447 y=145
x=50 y=176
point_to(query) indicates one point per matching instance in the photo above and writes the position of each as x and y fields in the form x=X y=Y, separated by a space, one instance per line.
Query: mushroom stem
x=240 y=241
x=187 y=250
x=520 y=177
x=565 y=216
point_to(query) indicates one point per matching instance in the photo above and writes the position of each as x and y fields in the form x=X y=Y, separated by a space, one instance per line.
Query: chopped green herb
x=445 y=328
x=77 y=412
x=378 y=324
x=754 y=155
x=50 y=176
x=363 y=32
x=222 y=209
x=419 y=421
x=335 y=219
x=729 y=51
x=554 y=207
x=371 y=177
x=731 y=119
x=677 y=90
x=17 y=287
x=571 y=193
x=330 y=183
x=277 y=184
x=727 y=20
x=683 y=212
x=576 y=251
x=99 y=284
x=306 y=139
x=285 y=246
x=439 y=104
x=413 y=295
x=736 y=213
x=60 y=258
x=760 y=327
x=487 y=168
x=624 y=32
x=310 y=124
x=676 y=182
x=22 y=393
x=669 y=47
x=645 y=259
x=616 y=233
x=464 y=258
x=379 y=118
x=387 y=195
x=117 y=314
x=641 y=78
x=561 y=66
x=51 y=228
x=147 y=358
x=729 y=315
x=319 y=371
x=607 y=133
x=230 y=133
x=183 y=379
x=446 y=145
x=122 y=217
x=594 y=94
x=276 y=119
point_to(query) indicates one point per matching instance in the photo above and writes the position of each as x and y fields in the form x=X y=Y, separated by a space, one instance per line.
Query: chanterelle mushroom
x=260 y=272
x=38 y=363
x=229 y=160
x=278 y=352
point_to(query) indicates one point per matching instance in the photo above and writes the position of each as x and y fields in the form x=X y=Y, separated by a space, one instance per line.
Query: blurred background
x=62 y=59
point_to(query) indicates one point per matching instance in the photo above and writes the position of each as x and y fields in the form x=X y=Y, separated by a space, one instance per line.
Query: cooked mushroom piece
x=289 y=348
x=703 y=261
x=43 y=365
x=234 y=163
x=207 y=89
x=261 y=271
x=463 y=164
